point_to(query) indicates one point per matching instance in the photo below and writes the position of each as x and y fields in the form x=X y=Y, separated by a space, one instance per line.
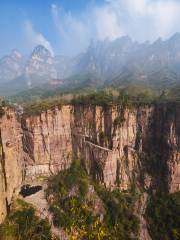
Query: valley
x=122 y=151
x=90 y=120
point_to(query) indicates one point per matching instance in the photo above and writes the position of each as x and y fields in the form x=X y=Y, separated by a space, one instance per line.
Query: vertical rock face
x=162 y=147
x=11 y=159
x=132 y=146
x=126 y=146
x=107 y=140
x=47 y=141
x=119 y=146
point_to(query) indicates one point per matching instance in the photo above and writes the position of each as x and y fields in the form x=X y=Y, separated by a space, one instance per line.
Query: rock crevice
x=137 y=145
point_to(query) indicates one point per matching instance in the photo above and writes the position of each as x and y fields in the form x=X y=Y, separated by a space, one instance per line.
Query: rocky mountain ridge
x=119 y=147
x=119 y=62
x=10 y=66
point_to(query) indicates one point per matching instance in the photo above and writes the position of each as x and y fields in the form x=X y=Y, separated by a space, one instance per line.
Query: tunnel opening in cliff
x=27 y=190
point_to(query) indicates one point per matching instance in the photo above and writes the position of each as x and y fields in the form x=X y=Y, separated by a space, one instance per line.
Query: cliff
x=120 y=147
x=47 y=142
x=11 y=159
x=132 y=145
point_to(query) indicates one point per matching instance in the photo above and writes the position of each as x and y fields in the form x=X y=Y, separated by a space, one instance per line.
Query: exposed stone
x=143 y=142
x=140 y=210
x=11 y=159
x=47 y=141
x=120 y=148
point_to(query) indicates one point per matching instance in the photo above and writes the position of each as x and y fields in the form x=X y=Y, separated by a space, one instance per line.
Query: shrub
x=101 y=98
x=2 y=105
x=119 y=213
x=22 y=223
x=37 y=107
x=73 y=210
x=163 y=215
x=2 y=112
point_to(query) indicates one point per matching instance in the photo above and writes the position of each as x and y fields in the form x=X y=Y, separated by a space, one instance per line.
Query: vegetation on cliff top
x=23 y=224
x=2 y=105
x=107 y=97
x=37 y=107
x=104 y=98
x=87 y=211
x=163 y=215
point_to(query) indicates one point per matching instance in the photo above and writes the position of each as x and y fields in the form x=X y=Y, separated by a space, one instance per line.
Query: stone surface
x=11 y=159
x=128 y=146
x=120 y=147
x=47 y=141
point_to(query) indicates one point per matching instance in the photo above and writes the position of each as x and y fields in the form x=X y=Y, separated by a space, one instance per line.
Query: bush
x=119 y=214
x=101 y=98
x=73 y=210
x=60 y=184
x=163 y=215
x=2 y=105
x=22 y=223
x=2 y=112
x=37 y=107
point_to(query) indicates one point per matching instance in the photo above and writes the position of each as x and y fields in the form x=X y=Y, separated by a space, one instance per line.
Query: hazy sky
x=67 y=26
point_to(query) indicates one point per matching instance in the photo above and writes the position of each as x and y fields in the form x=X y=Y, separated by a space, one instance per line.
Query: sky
x=67 y=27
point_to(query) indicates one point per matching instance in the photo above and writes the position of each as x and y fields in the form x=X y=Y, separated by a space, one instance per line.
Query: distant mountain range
x=118 y=62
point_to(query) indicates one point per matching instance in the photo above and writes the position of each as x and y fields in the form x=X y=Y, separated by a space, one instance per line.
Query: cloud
x=148 y=19
x=141 y=19
x=73 y=32
x=94 y=23
x=106 y=23
x=34 y=38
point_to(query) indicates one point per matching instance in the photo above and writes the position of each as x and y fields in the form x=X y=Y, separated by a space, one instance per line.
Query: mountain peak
x=175 y=37
x=16 y=54
x=125 y=38
x=41 y=51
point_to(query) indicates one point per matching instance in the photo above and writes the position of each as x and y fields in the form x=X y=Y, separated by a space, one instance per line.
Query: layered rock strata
x=47 y=142
x=11 y=159
x=131 y=145
x=120 y=146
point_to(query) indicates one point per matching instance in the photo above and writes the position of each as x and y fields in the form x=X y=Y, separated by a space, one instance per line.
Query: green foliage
x=119 y=218
x=163 y=215
x=125 y=97
x=2 y=105
x=70 y=208
x=38 y=107
x=86 y=85
x=101 y=98
x=73 y=210
x=23 y=224
x=103 y=138
x=119 y=120
x=2 y=112
x=60 y=184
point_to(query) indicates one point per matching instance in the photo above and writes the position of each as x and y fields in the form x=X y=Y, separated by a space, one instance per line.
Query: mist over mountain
x=118 y=62
x=11 y=66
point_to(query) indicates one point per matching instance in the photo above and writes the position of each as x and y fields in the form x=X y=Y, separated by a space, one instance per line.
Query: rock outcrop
x=47 y=142
x=11 y=159
x=138 y=146
x=131 y=145
x=120 y=147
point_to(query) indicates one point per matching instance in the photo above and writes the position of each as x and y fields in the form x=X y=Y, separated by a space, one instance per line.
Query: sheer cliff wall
x=11 y=159
x=125 y=146
x=119 y=146
x=47 y=142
